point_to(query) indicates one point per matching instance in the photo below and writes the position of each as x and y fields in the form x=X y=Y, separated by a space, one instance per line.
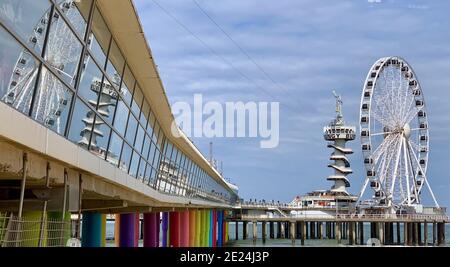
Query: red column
x=184 y=229
x=136 y=230
x=214 y=231
x=174 y=228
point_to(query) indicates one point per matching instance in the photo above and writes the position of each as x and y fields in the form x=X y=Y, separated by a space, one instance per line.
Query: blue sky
x=308 y=47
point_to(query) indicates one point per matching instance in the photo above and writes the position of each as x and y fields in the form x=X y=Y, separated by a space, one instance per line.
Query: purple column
x=127 y=225
x=151 y=227
x=165 y=226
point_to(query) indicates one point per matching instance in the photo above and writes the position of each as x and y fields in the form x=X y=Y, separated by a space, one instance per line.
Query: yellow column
x=192 y=227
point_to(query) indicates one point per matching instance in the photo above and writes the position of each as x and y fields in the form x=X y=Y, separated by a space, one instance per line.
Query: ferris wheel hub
x=406 y=131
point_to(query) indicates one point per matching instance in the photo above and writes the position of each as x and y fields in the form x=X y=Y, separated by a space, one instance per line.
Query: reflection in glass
x=127 y=86
x=151 y=154
x=125 y=157
x=134 y=164
x=144 y=113
x=115 y=61
x=120 y=119
x=28 y=19
x=146 y=146
x=131 y=129
x=63 y=49
x=91 y=80
x=52 y=102
x=137 y=101
x=115 y=145
x=99 y=40
x=77 y=12
x=81 y=125
x=100 y=137
x=141 y=170
x=139 y=139
x=18 y=71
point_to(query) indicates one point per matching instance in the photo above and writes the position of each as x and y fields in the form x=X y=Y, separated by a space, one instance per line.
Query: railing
x=15 y=232
x=358 y=217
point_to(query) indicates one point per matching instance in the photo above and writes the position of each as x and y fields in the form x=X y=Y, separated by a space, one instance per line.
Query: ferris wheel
x=61 y=53
x=394 y=135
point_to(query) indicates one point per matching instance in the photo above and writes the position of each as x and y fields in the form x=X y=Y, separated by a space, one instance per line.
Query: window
x=100 y=138
x=151 y=154
x=81 y=125
x=100 y=38
x=18 y=73
x=115 y=64
x=77 y=12
x=137 y=101
x=131 y=129
x=120 y=119
x=125 y=157
x=126 y=89
x=63 y=50
x=115 y=145
x=144 y=113
x=28 y=19
x=146 y=146
x=134 y=164
x=52 y=102
x=141 y=170
x=91 y=82
x=139 y=139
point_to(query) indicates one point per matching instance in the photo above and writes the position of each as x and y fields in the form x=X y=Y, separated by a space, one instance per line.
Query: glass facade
x=61 y=66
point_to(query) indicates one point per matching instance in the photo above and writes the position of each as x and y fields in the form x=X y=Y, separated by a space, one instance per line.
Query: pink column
x=136 y=230
x=214 y=230
x=184 y=229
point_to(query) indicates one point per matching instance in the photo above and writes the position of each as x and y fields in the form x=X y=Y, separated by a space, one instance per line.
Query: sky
x=308 y=48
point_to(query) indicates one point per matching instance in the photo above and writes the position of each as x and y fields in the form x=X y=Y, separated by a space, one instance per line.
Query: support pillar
x=380 y=226
x=198 y=228
x=263 y=232
x=279 y=230
x=164 y=228
x=292 y=232
x=174 y=229
x=184 y=229
x=127 y=230
x=192 y=227
x=220 y=228
x=434 y=234
x=352 y=234
x=254 y=228
x=92 y=230
x=338 y=232
x=208 y=228
x=441 y=234
x=398 y=234
x=137 y=223
x=244 y=230
x=303 y=235
x=286 y=229
x=116 y=229
x=214 y=232
x=425 y=233
x=151 y=226
x=361 y=233
x=405 y=234
x=282 y=230
x=319 y=229
x=271 y=231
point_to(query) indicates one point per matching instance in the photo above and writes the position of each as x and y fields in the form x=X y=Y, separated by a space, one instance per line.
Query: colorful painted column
x=174 y=229
x=225 y=228
x=117 y=230
x=137 y=223
x=220 y=228
x=198 y=228
x=151 y=226
x=92 y=229
x=192 y=227
x=127 y=230
x=164 y=228
x=184 y=229
x=211 y=228
x=206 y=228
x=214 y=229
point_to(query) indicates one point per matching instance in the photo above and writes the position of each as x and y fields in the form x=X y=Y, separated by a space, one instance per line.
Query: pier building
x=86 y=134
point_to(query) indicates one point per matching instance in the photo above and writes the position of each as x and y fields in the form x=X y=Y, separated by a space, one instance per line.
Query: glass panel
x=144 y=113
x=115 y=63
x=125 y=157
x=77 y=12
x=139 y=139
x=151 y=155
x=134 y=164
x=120 y=119
x=156 y=134
x=131 y=129
x=81 y=125
x=115 y=145
x=153 y=175
x=137 y=101
x=148 y=172
x=107 y=101
x=100 y=138
x=141 y=170
x=28 y=19
x=146 y=147
x=151 y=123
x=99 y=43
x=63 y=50
x=91 y=81
x=127 y=86
x=52 y=102
x=18 y=71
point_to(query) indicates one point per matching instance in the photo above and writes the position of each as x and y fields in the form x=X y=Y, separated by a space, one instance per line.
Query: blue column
x=91 y=230
x=220 y=228
x=165 y=226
